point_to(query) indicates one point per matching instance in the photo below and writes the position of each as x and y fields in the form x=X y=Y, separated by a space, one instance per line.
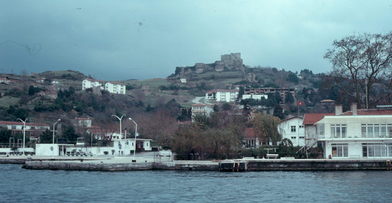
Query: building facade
x=90 y=83
x=115 y=88
x=221 y=95
x=357 y=134
x=112 y=87
x=32 y=129
x=201 y=110
x=293 y=130
x=250 y=139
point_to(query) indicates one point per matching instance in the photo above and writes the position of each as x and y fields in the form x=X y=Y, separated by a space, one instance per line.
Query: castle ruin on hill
x=228 y=62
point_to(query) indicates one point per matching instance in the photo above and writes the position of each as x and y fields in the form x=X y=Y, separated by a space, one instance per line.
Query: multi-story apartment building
x=222 y=95
x=115 y=88
x=356 y=134
x=263 y=92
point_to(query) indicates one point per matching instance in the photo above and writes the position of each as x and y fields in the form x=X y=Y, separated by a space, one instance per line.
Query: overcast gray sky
x=118 y=39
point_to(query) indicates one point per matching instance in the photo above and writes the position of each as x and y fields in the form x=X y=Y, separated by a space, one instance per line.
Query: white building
x=310 y=119
x=119 y=147
x=115 y=88
x=293 y=130
x=90 y=83
x=357 y=134
x=112 y=87
x=254 y=96
x=83 y=122
x=183 y=80
x=4 y=80
x=18 y=126
x=201 y=110
x=222 y=95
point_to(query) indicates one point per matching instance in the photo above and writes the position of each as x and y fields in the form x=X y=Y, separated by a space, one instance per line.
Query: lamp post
x=24 y=134
x=134 y=151
x=120 y=119
x=54 y=130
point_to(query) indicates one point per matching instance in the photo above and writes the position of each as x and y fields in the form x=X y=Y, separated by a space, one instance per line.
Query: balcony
x=353 y=138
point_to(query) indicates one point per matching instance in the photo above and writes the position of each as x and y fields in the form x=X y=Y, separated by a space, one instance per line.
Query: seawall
x=235 y=165
x=304 y=165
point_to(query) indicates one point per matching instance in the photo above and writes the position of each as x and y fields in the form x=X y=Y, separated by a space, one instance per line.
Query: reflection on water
x=19 y=185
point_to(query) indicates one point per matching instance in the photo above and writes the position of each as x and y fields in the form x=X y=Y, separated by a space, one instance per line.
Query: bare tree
x=378 y=59
x=363 y=59
x=346 y=59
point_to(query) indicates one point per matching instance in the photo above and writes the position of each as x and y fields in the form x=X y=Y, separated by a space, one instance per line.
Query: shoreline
x=231 y=165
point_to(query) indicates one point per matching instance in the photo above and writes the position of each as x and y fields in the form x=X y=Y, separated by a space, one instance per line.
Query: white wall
x=353 y=139
x=115 y=88
x=47 y=150
x=297 y=137
x=254 y=96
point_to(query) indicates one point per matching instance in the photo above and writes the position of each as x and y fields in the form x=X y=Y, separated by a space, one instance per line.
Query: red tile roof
x=371 y=112
x=20 y=123
x=222 y=90
x=250 y=133
x=312 y=118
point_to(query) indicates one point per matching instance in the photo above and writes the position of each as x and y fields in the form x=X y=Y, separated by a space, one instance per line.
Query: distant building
x=250 y=139
x=201 y=110
x=254 y=96
x=55 y=82
x=90 y=83
x=100 y=133
x=115 y=88
x=112 y=87
x=265 y=91
x=293 y=130
x=183 y=80
x=222 y=95
x=32 y=129
x=4 y=80
x=83 y=122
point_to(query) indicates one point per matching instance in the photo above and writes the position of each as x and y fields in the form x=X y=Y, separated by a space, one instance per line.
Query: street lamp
x=134 y=151
x=120 y=119
x=24 y=134
x=54 y=130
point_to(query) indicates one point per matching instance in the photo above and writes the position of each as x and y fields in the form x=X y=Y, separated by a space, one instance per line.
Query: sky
x=139 y=39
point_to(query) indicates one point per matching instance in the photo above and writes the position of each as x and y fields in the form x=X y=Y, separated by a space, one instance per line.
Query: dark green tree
x=4 y=135
x=69 y=134
x=46 y=137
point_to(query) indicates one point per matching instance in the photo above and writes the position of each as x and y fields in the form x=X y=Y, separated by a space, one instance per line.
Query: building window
x=293 y=138
x=338 y=130
x=376 y=130
x=293 y=129
x=339 y=150
x=320 y=129
x=376 y=150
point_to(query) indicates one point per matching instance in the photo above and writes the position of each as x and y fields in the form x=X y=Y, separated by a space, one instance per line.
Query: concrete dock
x=232 y=165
